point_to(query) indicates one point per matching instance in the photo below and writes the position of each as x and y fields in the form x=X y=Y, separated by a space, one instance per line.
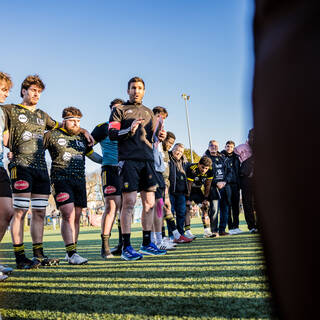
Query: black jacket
x=221 y=172
x=177 y=175
x=234 y=164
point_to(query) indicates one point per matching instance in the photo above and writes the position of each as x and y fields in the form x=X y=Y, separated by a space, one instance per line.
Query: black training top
x=26 y=135
x=67 y=153
x=132 y=147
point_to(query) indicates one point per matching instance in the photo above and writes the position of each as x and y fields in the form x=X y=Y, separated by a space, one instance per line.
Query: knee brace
x=39 y=203
x=21 y=203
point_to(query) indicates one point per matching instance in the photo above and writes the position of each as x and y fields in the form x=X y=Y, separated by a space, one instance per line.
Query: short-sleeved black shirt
x=27 y=129
x=198 y=180
x=67 y=153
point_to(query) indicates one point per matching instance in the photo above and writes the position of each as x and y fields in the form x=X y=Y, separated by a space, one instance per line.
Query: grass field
x=219 y=278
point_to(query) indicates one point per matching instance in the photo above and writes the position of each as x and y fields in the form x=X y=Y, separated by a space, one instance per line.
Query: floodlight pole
x=185 y=98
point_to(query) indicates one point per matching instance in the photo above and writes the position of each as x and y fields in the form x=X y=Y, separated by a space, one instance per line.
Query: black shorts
x=111 y=181
x=70 y=191
x=25 y=180
x=161 y=186
x=5 y=186
x=138 y=176
x=197 y=196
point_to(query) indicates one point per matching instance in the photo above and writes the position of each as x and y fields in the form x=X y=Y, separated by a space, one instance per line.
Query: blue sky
x=86 y=51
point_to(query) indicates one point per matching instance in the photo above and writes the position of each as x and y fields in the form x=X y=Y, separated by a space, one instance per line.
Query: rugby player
x=198 y=175
x=156 y=235
x=28 y=170
x=132 y=125
x=111 y=185
x=68 y=147
x=6 y=211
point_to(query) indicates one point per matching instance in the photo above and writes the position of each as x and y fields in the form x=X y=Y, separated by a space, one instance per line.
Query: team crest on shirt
x=40 y=122
x=66 y=156
x=62 y=142
x=126 y=185
x=23 y=118
x=26 y=136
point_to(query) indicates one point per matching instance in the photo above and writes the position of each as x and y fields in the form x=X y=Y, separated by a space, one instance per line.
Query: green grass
x=221 y=278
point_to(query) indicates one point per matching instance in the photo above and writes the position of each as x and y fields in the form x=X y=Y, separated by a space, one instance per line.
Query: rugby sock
x=105 y=242
x=171 y=224
x=19 y=251
x=71 y=249
x=153 y=237
x=37 y=249
x=146 y=238
x=176 y=234
x=158 y=237
x=163 y=231
x=126 y=240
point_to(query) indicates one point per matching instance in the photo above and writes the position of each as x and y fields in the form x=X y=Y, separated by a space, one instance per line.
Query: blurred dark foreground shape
x=286 y=119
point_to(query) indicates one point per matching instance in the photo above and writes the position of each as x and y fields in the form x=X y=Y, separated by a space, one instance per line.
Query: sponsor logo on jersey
x=67 y=156
x=21 y=185
x=79 y=144
x=62 y=196
x=126 y=185
x=23 y=118
x=40 y=122
x=62 y=142
x=110 y=189
x=26 y=136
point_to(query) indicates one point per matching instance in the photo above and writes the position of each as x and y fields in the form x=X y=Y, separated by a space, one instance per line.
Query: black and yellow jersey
x=198 y=180
x=67 y=153
x=27 y=129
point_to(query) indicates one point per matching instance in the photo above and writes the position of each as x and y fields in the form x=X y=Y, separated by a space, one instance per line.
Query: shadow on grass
x=139 y=305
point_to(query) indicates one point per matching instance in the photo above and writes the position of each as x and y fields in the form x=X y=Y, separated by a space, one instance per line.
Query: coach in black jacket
x=220 y=189
x=233 y=162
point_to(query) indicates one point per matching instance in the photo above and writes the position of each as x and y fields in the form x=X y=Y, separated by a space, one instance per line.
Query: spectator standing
x=233 y=162
x=178 y=185
x=220 y=190
x=246 y=181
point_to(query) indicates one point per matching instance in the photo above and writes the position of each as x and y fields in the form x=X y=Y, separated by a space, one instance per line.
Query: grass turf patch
x=215 y=278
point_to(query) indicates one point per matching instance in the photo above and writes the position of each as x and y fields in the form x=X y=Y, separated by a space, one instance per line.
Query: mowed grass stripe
x=222 y=278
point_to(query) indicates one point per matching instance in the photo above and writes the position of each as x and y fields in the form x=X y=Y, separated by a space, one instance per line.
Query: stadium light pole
x=186 y=98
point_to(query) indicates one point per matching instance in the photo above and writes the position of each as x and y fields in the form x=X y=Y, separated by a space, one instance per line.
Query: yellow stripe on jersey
x=190 y=179
x=101 y=124
x=13 y=173
x=90 y=152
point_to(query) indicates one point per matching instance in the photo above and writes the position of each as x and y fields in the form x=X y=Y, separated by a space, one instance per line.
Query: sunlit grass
x=219 y=278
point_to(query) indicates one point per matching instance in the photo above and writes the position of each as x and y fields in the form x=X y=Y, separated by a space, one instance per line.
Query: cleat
x=28 y=264
x=106 y=254
x=116 y=251
x=66 y=258
x=76 y=259
x=223 y=233
x=129 y=254
x=165 y=245
x=45 y=261
x=189 y=235
x=5 y=269
x=3 y=276
x=253 y=230
x=207 y=233
x=182 y=239
x=232 y=231
x=152 y=250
